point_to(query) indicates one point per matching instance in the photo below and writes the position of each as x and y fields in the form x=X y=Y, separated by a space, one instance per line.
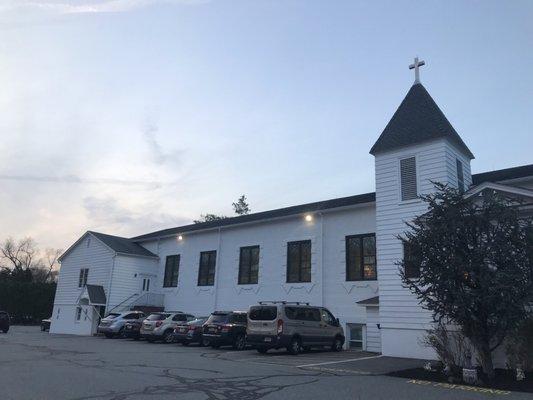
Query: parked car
x=4 y=321
x=132 y=329
x=160 y=326
x=113 y=325
x=224 y=328
x=190 y=332
x=45 y=324
x=295 y=326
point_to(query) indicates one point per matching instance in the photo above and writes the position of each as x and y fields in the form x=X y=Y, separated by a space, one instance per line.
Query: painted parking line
x=338 y=362
x=465 y=388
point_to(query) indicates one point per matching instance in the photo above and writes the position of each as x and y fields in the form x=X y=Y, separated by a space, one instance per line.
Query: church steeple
x=417 y=119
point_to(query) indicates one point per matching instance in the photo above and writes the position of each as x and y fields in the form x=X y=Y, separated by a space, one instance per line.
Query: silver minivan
x=292 y=325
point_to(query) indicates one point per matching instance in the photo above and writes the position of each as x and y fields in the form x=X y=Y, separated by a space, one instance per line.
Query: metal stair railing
x=121 y=303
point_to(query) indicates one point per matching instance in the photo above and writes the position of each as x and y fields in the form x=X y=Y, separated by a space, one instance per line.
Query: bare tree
x=23 y=259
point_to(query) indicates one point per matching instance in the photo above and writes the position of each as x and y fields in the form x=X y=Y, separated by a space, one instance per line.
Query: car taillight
x=280 y=326
x=158 y=324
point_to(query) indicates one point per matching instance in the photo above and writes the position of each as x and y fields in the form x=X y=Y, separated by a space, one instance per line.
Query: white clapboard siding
x=128 y=274
x=89 y=253
x=399 y=309
x=373 y=334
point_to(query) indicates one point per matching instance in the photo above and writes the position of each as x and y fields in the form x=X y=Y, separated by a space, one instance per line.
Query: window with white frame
x=356 y=336
x=460 y=175
x=82 y=281
x=78 y=313
x=408 y=181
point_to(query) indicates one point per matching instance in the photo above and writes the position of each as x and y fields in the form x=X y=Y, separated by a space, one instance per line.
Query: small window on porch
x=356 y=336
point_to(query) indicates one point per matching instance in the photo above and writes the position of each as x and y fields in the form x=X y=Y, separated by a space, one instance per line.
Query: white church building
x=340 y=253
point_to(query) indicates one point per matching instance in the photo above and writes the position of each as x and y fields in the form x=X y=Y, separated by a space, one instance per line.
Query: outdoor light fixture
x=308 y=217
x=180 y=237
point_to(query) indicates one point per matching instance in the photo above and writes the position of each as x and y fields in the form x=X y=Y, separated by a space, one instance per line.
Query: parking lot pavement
x=36 y=365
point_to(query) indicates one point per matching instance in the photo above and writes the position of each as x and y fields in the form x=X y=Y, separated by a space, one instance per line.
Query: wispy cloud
x=157 y=154
x=79 y=180
x=88 y=6
x=109 y=213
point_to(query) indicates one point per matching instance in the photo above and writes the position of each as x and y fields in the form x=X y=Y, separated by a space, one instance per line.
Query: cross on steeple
x=417 y=64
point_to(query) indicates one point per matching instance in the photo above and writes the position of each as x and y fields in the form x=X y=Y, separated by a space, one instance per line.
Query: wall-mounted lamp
x=308 y=217
x=379 y=326
x=180 y=237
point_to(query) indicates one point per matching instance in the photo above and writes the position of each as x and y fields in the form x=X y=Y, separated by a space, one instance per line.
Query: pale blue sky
x=126 y=116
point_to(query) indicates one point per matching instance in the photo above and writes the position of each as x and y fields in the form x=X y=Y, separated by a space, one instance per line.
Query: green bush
x=27 y=302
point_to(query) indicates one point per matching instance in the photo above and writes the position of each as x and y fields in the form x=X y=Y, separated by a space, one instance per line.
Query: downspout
x=110 y=282
x=322 y=284
x=217 y=265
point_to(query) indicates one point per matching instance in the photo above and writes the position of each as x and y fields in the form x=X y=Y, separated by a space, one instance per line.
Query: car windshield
x=198 y=321
x=113 y=315
x=217 y=318
x=157 y=317
x=263 y=313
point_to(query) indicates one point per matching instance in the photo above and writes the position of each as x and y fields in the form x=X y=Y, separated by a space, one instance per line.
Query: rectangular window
x=206 y=271
x=408 y=178
x=84 y=273
x=78 y=313
x=299 y=261
x=172 y=269
x=361 y=258
x=460 y=176
x=412 y=270
x=356 y=336
x=249 y=265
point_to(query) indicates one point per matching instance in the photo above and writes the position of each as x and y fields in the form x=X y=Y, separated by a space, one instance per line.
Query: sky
x=127 y=116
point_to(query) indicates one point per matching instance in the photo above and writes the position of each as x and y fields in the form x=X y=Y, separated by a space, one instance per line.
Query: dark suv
x=4 y=321
x=225 y=328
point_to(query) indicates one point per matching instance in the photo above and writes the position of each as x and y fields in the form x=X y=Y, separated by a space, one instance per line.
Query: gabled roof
x=119 y=245
x=372 y=301
x=122 y=245
x=280 y=212
x=418 y=119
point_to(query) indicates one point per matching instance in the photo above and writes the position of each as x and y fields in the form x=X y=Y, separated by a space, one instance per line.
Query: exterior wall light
x=180 y=237
x=308 y=217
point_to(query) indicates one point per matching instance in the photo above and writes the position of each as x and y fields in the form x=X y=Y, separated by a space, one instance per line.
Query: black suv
x=225 y=328
x=4 y=321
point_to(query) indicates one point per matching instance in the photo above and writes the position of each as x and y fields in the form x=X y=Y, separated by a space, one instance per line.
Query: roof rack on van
x=284 y=302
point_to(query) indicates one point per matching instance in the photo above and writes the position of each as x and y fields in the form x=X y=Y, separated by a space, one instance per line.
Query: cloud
x=88 y=6
x=108 y=214
x=157 y=154
x=77 y=180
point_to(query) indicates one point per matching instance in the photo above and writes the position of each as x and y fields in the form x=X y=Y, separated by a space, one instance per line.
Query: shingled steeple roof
x=418 y=119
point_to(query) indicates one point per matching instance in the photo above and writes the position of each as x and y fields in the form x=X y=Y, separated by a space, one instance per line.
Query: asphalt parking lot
x=37 y=365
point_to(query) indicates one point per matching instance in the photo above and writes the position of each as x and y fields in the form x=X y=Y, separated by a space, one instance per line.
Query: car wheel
x=294 y=346
x=168 y=337
x=337 y=344
x=205 y=342
x=120 y=333
x=240 y=342
x=5 y=330
x=262 y=350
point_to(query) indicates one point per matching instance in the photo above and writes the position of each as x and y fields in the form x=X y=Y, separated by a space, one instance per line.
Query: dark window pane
x=206 y=270
x=299 y=261
x=412 y=270
x=361 y=257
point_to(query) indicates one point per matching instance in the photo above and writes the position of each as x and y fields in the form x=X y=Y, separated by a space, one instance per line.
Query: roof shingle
x=417 y=119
